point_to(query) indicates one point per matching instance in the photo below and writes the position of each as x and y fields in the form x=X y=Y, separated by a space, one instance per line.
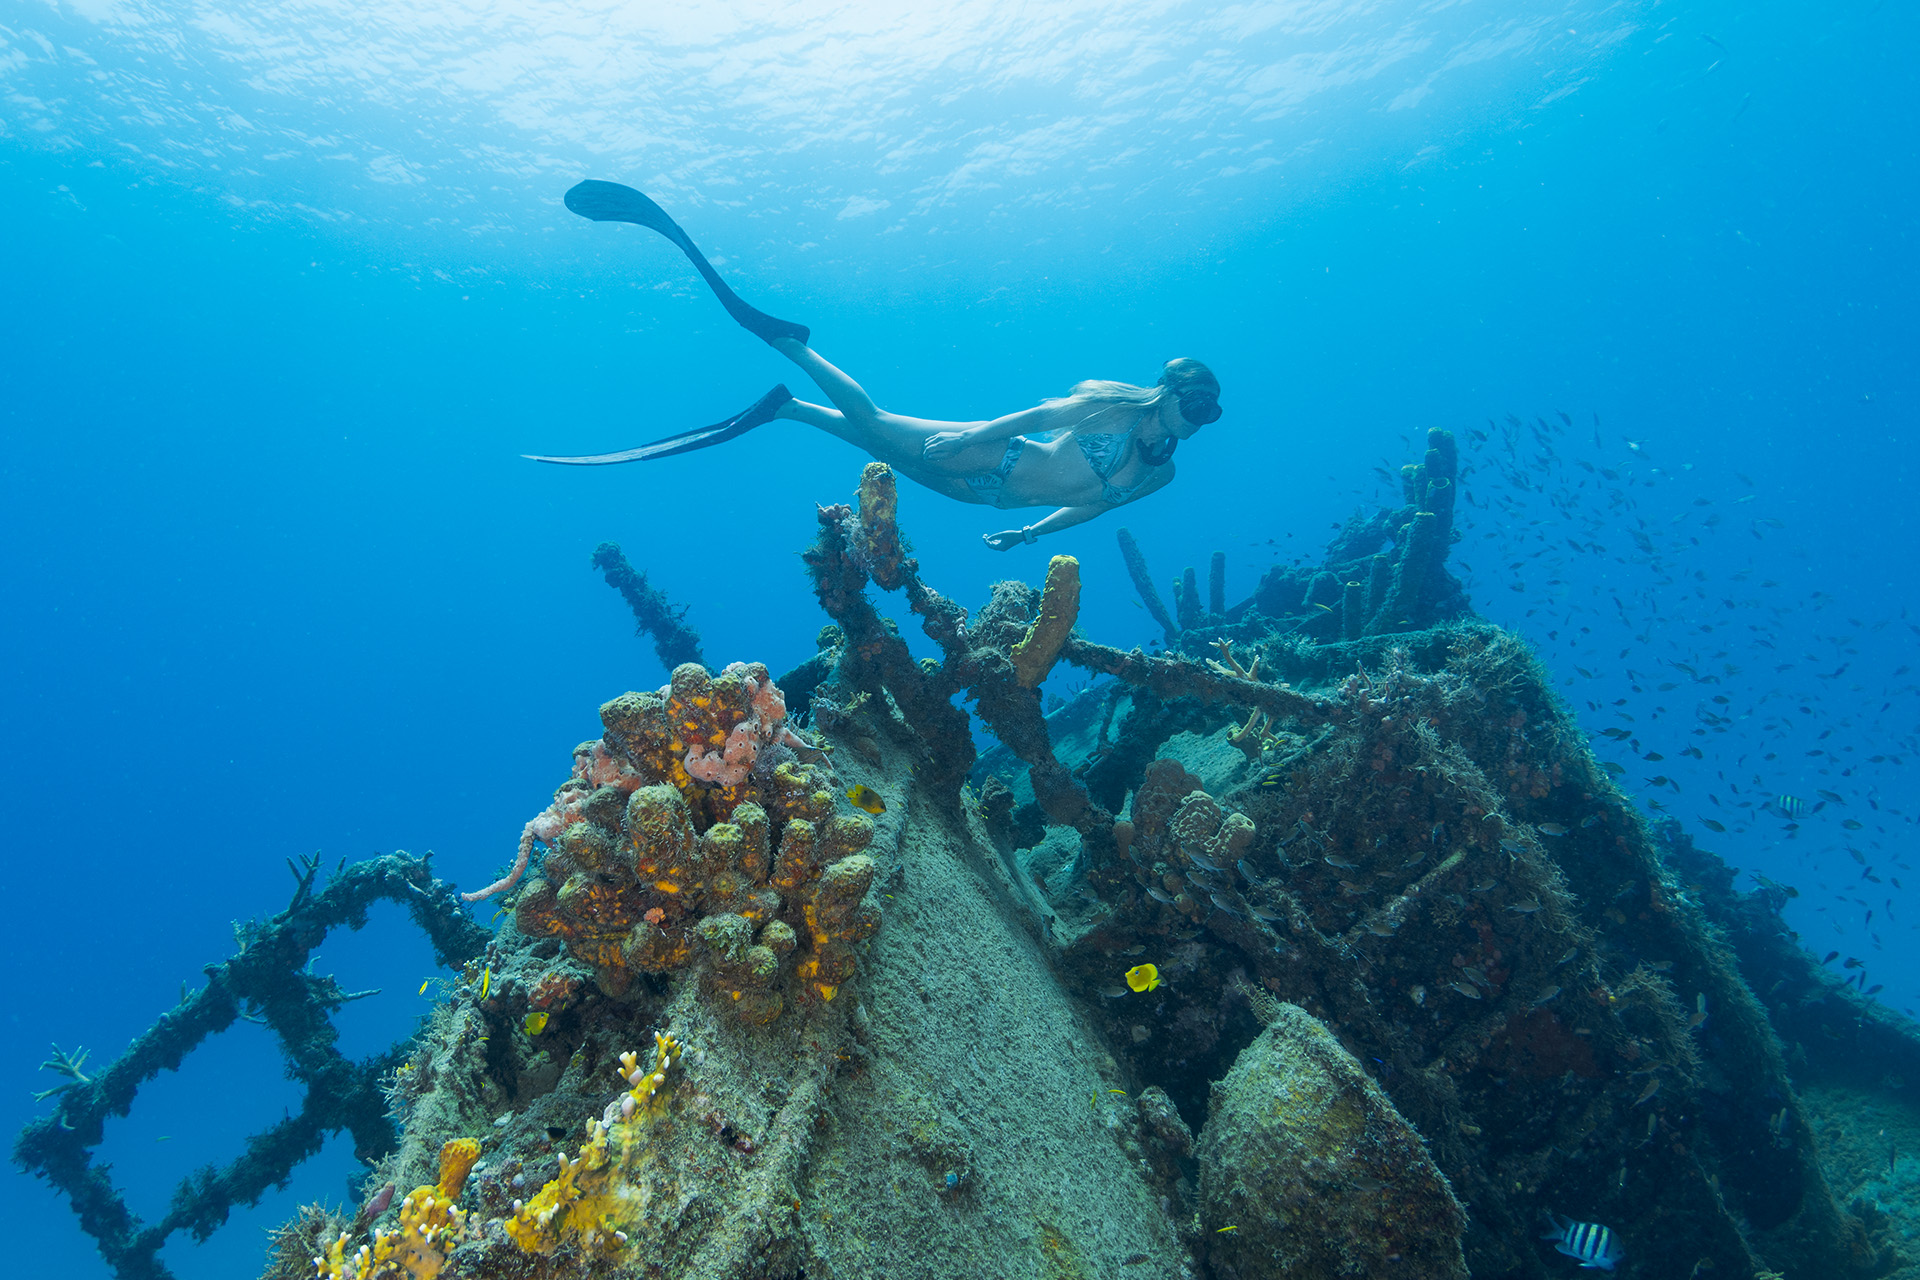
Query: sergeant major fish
x=1593 y=1245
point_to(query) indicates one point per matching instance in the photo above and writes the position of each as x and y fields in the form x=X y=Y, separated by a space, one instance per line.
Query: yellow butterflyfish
x=1143 y=977
x=423 y=986
x=534 y=1023
x=866 y=799
x=486 y=981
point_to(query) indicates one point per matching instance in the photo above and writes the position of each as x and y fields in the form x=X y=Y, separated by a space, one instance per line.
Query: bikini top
x=1107 y=452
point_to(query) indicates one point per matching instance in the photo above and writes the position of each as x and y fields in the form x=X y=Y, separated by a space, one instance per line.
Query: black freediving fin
x=612 y=202
x=760 y=412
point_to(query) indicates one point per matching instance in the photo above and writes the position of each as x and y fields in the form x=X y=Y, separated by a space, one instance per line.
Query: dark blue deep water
x=288 y=290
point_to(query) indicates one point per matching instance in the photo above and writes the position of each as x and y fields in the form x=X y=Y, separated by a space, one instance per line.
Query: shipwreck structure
x=1314 y=945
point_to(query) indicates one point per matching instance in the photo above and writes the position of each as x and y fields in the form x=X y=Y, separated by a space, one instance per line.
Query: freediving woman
x=1101 y=446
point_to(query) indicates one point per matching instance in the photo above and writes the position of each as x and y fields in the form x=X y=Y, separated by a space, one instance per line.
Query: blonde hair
x=1096 y=395
x=1182 y=377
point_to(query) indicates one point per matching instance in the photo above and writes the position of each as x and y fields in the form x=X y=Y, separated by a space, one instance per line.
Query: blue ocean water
x=290 y=289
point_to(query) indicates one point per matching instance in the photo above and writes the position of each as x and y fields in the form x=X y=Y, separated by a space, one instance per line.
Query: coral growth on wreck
x=692 y=829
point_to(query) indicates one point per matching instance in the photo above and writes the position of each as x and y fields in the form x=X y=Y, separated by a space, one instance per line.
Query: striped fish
x=1594 y=1245
x=1792 y=808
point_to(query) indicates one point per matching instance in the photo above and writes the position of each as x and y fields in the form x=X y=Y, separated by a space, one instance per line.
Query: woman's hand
x=1005 y=538
x=944 y=444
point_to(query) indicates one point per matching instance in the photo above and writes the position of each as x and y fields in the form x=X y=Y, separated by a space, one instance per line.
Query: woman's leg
x=890 y=437
x=848 y=396
x=938 y=476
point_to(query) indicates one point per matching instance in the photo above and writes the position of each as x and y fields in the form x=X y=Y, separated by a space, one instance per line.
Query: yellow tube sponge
x=882 y=550
x=1033 y=656
x=457 y=1159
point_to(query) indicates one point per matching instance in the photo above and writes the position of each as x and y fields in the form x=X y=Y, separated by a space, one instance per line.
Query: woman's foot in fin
x=766 y=327
x=761 y=412
x=757 y=414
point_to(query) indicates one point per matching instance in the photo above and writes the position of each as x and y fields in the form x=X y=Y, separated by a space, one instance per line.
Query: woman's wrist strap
x=1026 y=533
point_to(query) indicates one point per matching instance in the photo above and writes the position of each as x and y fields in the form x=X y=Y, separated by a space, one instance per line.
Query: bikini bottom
x=988 y=484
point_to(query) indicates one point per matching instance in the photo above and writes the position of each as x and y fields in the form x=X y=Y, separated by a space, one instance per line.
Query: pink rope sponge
x=766 y=723
x=595 y=765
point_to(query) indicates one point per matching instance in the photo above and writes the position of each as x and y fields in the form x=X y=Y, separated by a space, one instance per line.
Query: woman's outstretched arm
x=1053 y=522
x=944 y=444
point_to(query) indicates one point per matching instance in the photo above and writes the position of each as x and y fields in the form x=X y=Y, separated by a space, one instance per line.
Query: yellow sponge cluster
x=587 y=1200
x=431 y=1224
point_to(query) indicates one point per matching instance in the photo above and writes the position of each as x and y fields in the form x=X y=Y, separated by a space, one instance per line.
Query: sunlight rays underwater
x=470 y=112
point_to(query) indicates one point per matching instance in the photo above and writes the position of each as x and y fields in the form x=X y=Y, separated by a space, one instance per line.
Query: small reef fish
x=1266 y=913
x=1221 y=904
x=1551 y=829
x=1545 y=997
x=486 y=982
x=1792 y=808
x=1202 y=861
x=1344 y=864
x=534 y=1023
x=1647 y=1094
x=1247 y=872
x=866 y=799
x=1513 y=847
x=1589 y=821
x=1593 y=1245
x=1382 y=928
x=1160 y=895
x=1468 y=990
x=1143 y=977
x=1526 y=906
